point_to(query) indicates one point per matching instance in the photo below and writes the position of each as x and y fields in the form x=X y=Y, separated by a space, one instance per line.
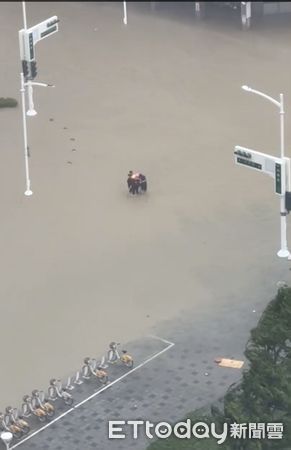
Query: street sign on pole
x=44 y=29
x=28 y=38
x=262 y=162
x=278 y=168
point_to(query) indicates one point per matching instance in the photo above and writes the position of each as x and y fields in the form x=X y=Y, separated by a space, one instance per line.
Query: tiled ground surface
x=164 y=389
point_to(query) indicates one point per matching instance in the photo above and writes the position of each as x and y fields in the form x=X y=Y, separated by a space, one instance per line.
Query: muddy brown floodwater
x=81 y=262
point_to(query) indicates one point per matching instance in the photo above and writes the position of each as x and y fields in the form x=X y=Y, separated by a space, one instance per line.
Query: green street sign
x=247 y=162
x=262 y=162
x=278 y=178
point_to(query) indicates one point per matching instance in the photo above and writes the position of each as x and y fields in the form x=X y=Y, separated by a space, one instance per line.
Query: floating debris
x=69 y=162
x=74 y=149
x=72 y=139
x=65 y=128
x=231 y=363
x=51 y=119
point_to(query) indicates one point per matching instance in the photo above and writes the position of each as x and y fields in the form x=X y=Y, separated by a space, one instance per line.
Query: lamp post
x=124 y=13
x=31 y=111
x=28 y=37
x=283 y=252
x=28 y=191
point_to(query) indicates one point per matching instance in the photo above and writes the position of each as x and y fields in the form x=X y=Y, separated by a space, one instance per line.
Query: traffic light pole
x=27 y=40
x=283 y=252
x=28 y=191
x=30 y=112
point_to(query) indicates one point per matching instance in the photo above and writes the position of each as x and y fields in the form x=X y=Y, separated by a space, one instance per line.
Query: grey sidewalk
x=180 y=380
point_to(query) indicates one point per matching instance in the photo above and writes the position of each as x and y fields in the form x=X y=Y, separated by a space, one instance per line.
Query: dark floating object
x=74 y=149
x=65 y=128
x=69 y=162
x=72 y=139
x=8 y=102
x=51 y=119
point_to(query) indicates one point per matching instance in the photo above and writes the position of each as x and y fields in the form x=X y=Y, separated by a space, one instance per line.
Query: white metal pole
x=282 y=112
x=24 y=15
x=124 y=13
x=28 y=191
x=283 y=252
x=31 y=111
x=289 y=175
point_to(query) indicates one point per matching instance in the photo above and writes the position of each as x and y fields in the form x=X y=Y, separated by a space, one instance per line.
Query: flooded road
x=82 y=263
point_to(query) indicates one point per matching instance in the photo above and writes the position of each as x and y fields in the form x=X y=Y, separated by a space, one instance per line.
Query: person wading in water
x=136 y=182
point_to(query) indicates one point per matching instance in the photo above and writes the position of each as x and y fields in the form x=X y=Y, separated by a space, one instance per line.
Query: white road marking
x=170 y=345
x=162 y=339
x=42 y=428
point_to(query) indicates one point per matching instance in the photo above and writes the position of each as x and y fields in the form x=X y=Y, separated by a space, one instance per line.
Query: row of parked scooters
x=39 y=405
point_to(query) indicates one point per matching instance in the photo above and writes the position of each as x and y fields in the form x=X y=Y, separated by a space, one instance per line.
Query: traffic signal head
x=25 y=69
x=33 y=69
x=29 y=69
